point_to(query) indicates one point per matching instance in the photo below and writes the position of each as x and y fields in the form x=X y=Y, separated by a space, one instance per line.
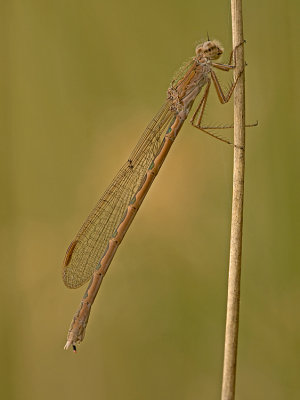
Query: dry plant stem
x=233 y=299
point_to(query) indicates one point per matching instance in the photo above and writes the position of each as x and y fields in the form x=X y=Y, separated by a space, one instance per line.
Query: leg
x=232 y=54
x=229 y=66
x=223 y=67
x=201 y=107
x=224 y=98
x=198 y=115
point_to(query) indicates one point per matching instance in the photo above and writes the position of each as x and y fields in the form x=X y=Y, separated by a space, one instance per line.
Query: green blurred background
x=79 y=83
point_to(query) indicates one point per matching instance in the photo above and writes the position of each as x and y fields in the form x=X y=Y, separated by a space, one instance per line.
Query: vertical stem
x=233 y=299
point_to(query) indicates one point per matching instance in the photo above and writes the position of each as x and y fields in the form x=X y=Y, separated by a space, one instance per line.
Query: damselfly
x=91 y=252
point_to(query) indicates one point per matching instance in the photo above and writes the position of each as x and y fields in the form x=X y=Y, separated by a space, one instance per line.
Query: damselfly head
x=211 y=49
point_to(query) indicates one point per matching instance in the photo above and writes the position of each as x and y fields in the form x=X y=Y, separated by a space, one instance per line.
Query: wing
x=89 y=245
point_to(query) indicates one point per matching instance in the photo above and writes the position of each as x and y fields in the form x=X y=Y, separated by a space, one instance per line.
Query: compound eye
x=199 y=49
